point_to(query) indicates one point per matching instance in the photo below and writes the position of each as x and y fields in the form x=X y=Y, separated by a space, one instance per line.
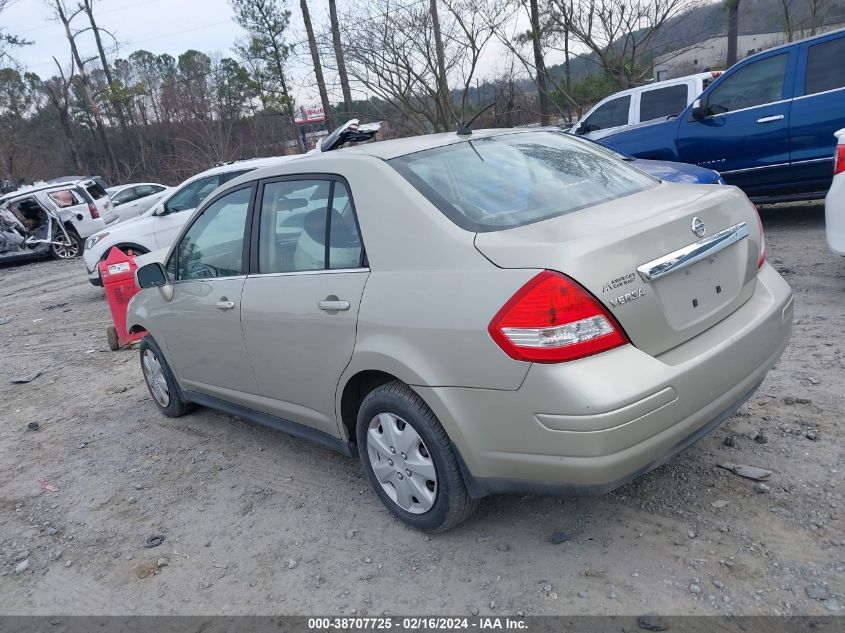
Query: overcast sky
x=170 y=26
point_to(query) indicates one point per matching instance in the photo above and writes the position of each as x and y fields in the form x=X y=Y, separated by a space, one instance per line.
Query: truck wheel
x=409 y=460
x=66 y=247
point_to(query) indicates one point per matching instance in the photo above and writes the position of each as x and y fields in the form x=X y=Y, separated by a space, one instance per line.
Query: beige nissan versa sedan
x=501 y=311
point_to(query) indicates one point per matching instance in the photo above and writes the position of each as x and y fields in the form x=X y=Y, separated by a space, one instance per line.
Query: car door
x=147 y=196
x=744 y=133
x=125 y=204
x=300 y=302
x=818 y=111
x=201 y=321
x=177 y=209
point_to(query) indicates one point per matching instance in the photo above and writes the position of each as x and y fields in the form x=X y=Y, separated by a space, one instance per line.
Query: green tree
x=266 y=23
x=15 y=96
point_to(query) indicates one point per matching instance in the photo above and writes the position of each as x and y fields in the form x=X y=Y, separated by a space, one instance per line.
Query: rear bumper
x=834 y=215
x=590 y=425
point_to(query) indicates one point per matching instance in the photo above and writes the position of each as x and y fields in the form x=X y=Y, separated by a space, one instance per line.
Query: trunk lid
x=602 y=247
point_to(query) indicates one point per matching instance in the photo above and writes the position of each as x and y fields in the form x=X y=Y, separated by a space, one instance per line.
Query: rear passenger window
x=345 y=242
x=825 y=67
x=612 y=114
x=295 y=222
x=64 y=198
x=661 y=102
x=756 y=84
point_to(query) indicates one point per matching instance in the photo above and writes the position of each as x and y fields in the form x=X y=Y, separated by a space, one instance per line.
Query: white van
x=644 y=103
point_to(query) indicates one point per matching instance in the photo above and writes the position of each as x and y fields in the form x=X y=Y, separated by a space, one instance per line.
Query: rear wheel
x=160 y=380
x=409 y=460
x=66 y=247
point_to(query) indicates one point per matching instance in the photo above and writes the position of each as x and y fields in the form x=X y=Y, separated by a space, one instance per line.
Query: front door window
x=214 y=245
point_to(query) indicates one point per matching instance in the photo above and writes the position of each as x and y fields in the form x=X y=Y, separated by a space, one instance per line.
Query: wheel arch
x=353 y=393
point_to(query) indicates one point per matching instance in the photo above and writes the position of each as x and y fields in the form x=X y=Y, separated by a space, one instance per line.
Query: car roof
x=20 y=193
x=412 y=144
x=817 y=36
x=117 y=188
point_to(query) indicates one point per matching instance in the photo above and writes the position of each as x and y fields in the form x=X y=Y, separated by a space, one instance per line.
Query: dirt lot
x=256 y=522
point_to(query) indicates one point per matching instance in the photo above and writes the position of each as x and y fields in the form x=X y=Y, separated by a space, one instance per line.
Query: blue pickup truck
x=766 y=125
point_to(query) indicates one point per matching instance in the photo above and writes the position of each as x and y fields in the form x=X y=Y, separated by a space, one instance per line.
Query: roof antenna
x=464 y=128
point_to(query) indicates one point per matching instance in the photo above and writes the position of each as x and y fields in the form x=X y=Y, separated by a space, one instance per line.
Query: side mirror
x=698 y=111
x=152 y=276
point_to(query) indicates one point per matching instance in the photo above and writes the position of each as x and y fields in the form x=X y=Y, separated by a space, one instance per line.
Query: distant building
x=712 y=54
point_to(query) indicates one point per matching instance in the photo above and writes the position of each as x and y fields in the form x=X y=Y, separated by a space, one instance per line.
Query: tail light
x=762 y=256
x=93 y=209
x=552 y=319
x=839 y=160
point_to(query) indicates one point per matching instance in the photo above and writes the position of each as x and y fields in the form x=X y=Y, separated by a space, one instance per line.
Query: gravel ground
x=255 y=522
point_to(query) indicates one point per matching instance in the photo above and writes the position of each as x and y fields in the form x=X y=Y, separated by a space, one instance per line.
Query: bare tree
x=65 y=18
x=88 y=7
x=339 y=56
x=621 y=34
x=315 y=58
x=444 y=108
x=539 y=64
x=786 y=19
x=391 y=51
x=59 y=92
x=732 y=7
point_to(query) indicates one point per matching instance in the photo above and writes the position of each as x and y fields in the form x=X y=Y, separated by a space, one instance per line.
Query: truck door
x=743 y=127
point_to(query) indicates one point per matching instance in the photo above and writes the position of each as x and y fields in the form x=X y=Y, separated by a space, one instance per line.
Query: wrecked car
x=51 y=220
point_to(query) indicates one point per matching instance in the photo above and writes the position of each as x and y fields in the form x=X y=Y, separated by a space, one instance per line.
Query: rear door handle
x=333 y=305
x=770 y=119
x=224 y=304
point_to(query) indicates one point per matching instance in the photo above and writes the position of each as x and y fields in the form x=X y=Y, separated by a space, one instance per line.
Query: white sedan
x=132 y=199
x=834 y=203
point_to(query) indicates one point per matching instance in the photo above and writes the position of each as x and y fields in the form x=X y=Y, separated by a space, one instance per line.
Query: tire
x=171 y=403
x=67 y=250
x=111 y=336
x=397 y=404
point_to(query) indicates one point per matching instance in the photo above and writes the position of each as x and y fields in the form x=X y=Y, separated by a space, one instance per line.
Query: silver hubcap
x=401 y=463
x=68 y=249
x=154 y=376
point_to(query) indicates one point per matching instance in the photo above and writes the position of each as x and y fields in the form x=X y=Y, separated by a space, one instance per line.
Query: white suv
x=83 y=207
x=157 y=227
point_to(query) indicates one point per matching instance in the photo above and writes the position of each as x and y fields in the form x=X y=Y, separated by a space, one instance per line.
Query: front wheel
x=409 y=460
x=66 y=247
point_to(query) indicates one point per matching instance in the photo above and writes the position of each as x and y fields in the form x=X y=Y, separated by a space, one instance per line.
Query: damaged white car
x=51 y=220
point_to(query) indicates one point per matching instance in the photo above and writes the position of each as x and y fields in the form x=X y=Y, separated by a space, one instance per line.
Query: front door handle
x=224 y=304
x=333 y=305
x=770 y=119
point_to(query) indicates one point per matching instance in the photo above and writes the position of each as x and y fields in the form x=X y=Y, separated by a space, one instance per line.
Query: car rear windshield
x=95 y=191
x=501 y=182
